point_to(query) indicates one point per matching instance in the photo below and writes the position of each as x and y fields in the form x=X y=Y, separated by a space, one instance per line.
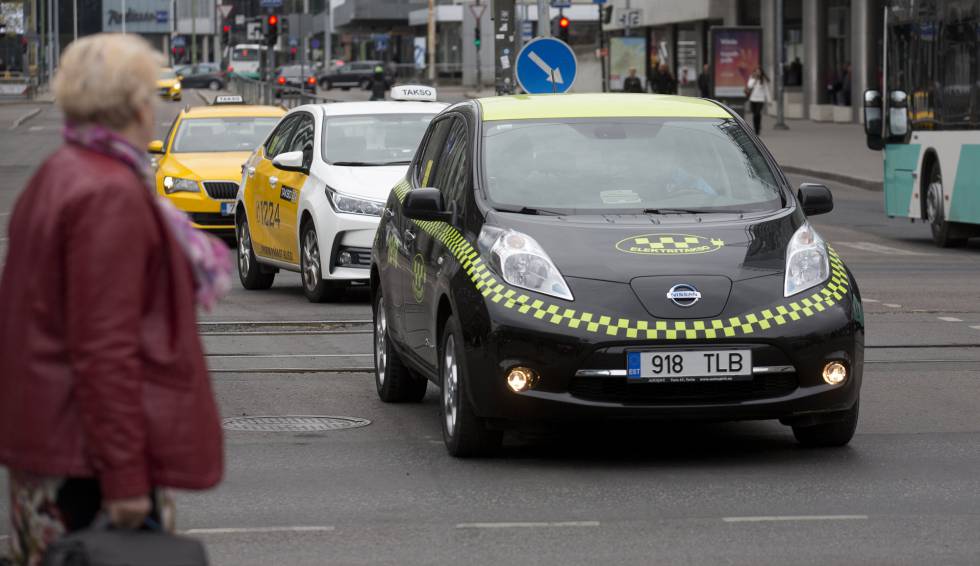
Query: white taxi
x=311 y=196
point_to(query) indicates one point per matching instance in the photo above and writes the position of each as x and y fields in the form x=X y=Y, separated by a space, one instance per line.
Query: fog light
x=521 y=379
x=834 y=373
x=344 y=258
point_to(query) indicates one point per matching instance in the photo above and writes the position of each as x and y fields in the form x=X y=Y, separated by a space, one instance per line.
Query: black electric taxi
x=583 y=256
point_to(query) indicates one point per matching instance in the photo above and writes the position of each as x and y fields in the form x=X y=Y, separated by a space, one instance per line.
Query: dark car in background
x=293 y=79
x=355 y=74
x=202 y=75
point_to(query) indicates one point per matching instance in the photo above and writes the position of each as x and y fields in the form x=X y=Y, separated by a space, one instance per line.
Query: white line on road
x=950 y=319
x=866 y=300
x=24 y=118
x=528 y=525
x=976 y=327
x=892 y=305
x=877 y=248
x=255 y=530
x=774 y=518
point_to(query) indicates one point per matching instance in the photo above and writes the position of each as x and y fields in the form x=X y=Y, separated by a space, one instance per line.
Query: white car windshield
x=199 y=135
x=376 y=139
x=601 y=165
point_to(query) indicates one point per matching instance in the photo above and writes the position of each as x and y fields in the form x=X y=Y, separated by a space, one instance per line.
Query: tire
x=316 y=289
x=325 y=84
x=826 y=435
x=177 y=99
x=394 y=381
x=944 y=234
x=250 y=273
x=365 y=84
x=465 y=434
x=345 y=88
x=214 y=85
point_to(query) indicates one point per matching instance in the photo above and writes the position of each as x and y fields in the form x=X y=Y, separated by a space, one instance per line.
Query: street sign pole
x=477 y=10
x=544 y=18
x=504 y=32
x=431 y=47
x=780 y=123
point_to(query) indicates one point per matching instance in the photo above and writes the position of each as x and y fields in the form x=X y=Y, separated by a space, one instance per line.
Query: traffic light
x=272 y=29
x=563 y=25
x=226 y=34
x=476 y=36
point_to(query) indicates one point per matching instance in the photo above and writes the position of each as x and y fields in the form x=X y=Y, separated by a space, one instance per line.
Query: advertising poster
x=626 y=53
x=142 y=16
x=735 y=52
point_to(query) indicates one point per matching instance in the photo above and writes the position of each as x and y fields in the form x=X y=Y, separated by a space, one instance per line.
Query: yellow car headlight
x=173 y=185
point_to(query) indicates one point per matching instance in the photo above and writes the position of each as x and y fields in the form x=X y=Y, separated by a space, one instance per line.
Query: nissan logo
x=684 y=295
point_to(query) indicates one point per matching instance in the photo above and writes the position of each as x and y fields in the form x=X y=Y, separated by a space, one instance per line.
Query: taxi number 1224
x=267 y=212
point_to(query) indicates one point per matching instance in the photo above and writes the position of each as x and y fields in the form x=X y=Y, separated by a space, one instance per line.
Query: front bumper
x=204 y=208
x=350 y=233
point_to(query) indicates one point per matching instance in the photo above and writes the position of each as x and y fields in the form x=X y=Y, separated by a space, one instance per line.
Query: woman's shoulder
x=86 y=170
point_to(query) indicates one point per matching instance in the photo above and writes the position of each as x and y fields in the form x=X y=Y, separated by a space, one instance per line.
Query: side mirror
x=425 y=204
x=898 y=116
x=815 y=199
x=290 y=161
x=872 y=119
x=155 y=146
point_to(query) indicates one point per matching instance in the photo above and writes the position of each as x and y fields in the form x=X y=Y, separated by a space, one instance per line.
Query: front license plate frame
x=689 y=366
x=227 y=208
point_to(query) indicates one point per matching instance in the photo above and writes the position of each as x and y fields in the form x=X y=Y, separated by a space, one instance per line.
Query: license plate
x=689 y=366
x=227 y=208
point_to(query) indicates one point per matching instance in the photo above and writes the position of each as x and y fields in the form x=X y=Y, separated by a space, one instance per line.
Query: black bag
x=102 y=545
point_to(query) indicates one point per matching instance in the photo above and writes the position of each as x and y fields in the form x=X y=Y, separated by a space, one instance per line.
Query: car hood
x=372 y=183
x=226 y=165
x=166 y=83
x=623 y=247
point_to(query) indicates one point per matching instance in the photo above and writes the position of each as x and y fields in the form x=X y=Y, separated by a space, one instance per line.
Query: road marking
x=877 y=248
x=950 y=319
x=528 y=525
x=257 y=530
x=25 y=118
x=892 y=305
x=976 y=327
x=870 y=300
x=775 y=518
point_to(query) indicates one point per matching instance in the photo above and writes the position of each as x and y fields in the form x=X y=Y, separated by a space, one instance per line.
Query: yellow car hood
x=219 y=166
x=166 y=83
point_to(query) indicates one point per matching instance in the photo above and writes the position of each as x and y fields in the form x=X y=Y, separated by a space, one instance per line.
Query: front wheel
x=944 y=234
x=464 y=433
x=214 y=85
x=250 y=273
x=325 y=84
x=836 y=433
x=365 y=84
x=394 y=381
x=316 y=289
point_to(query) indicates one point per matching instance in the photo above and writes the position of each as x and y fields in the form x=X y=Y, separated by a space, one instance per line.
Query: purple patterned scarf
x=209 y=257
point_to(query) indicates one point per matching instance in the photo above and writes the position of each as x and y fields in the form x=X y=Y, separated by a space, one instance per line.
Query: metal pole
x=123 y=5
x=432 y=42
x=544 y=18
x=602 y=59
x=780 y=123
x=48 y=53
x=193 y=32
x=74 y=12
x=56 y=36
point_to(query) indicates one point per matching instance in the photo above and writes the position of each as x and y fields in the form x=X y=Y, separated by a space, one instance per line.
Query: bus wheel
x=944 y=234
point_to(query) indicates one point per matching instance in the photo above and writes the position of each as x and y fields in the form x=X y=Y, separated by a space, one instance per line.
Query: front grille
x=221 y=190
x=359 y=257
x=164 y=91
x=212 y=219
x=618 y=390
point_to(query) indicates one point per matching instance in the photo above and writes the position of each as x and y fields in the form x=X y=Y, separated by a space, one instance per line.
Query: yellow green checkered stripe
x=500 y=293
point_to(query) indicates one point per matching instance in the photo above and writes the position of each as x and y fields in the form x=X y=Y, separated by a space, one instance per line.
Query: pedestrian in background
x=757 y=91
x=704 y=81
x=379 y=83
x=105 y=397
x=632 y=83
x=664 y=83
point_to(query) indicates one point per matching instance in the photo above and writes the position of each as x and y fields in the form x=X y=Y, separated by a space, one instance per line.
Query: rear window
x=200 y=135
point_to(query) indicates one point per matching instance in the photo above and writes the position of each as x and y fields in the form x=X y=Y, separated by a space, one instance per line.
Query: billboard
x=142 y=16
x=626 y=53
x=735 y=53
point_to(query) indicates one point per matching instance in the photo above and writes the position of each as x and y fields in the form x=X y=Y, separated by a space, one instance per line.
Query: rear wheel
x=316 y=289
x=325 y=84
x=251 y=274
x=365 y=84
x=836 y=433
x=465 y=434
x=214 y=85
x=395 y=382
x=944 y=234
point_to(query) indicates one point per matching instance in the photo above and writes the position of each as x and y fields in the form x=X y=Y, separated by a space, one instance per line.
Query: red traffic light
x=311 y=80
x=563 y=22
x=226 y=28
x=273 y=20
x=282 y=80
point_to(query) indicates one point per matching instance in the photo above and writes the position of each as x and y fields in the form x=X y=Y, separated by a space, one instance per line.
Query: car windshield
x=168 y=74
x=378 y=139
x=625 y=166
x=245 y=54
x=199 y=135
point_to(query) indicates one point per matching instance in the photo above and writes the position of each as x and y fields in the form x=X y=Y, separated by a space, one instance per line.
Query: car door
x=261 y=194
x=421 y=248
x=290 y=183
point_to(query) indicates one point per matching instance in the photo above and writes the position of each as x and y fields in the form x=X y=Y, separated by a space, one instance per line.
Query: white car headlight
x=353 y=205
x=523 y=263
x=173 y=185
x=807 y=262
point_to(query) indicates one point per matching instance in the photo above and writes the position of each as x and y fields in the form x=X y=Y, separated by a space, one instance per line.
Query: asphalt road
x=905 y=491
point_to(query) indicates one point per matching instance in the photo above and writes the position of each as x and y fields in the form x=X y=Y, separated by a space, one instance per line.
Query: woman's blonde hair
x=106 y=78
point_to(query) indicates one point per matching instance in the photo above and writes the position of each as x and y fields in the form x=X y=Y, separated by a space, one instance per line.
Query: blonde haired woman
x=104 y=393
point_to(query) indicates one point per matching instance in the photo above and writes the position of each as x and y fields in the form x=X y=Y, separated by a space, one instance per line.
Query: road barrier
x=15 y=85
x=263 y=92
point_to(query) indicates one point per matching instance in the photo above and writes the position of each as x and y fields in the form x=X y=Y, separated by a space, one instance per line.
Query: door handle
x=409 y=235
x=251 y=171
x=273 y=181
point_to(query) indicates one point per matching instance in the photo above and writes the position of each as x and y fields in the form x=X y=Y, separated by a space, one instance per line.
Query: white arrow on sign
x=554 y=75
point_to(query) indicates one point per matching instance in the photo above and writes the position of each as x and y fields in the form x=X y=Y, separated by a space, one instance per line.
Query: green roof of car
x=607 y=105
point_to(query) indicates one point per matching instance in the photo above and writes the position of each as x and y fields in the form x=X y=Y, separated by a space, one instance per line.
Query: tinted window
x=277 y=141
x=427 y=170
x=451 y=176
x=303 y=138
x=199 y=135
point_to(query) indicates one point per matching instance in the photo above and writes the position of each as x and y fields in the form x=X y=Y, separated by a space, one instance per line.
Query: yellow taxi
x=168 y=84
x=199 y=163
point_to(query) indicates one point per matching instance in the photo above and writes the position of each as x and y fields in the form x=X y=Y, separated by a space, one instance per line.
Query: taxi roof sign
x=228 y=99
x=421 y=93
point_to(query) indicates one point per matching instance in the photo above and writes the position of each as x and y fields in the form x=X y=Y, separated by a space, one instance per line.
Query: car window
x=453 y=167
x=427 y=170
x=204 y=135
x=372 y=139
x=303 y=138
x=276 y=143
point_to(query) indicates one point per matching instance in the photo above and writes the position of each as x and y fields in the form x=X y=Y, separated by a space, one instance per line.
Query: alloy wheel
x=450 y=385
x=244 y=248
x=934 y=201
x=311 y=260
x=380 y=342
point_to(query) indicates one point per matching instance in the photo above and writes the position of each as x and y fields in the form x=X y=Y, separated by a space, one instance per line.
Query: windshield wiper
x=676 y=211
x=532 y=211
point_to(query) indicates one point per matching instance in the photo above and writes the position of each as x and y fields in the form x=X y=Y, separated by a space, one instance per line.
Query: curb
x=25 y=118
x=861 y=183
x=202 y=97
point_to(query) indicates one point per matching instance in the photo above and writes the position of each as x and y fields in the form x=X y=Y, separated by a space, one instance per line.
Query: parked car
x=357 y=73
x=202 y=75
x=290 y=79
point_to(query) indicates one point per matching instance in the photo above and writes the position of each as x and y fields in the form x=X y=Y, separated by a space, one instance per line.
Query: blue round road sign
x=546 y=65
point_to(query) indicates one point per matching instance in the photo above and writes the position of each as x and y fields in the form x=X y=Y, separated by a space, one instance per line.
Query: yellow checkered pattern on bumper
x=469 y=258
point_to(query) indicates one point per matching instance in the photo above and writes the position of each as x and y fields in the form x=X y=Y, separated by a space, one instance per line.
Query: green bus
x=926 y=118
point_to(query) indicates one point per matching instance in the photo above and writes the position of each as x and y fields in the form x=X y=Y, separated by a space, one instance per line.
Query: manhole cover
x=291 y=423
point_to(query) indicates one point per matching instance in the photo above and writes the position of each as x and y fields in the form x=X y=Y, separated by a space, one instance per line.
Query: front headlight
x=807 y=262
x=523 y=263
x=173 y=185
x=353 y=205
x=176 y=86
